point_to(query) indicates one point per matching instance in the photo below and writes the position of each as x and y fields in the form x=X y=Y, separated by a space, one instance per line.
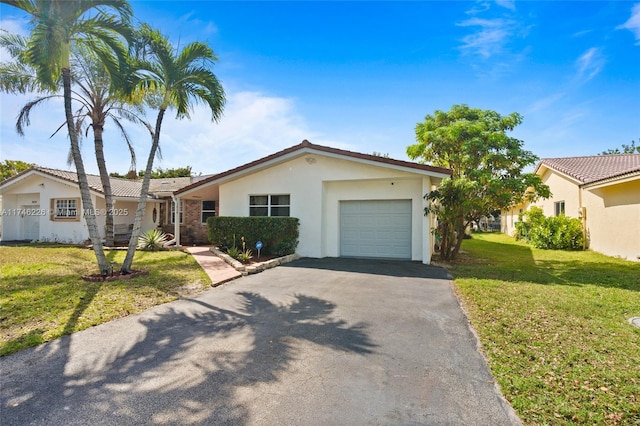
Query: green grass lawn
x=554 y=326
x=43 y=297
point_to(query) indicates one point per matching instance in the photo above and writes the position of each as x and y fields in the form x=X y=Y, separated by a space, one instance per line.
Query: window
x=208 y=210
x=65 y=208
x=559 y=206
x=269 y=205
x=173 y=211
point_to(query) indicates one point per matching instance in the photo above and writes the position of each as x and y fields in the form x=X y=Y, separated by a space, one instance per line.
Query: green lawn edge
x=554 y=328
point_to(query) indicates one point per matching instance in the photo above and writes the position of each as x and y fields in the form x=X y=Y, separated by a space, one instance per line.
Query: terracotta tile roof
x=306 y=144
x=592 y=169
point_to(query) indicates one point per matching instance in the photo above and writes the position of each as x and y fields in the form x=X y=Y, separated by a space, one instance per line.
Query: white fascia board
x=51 y=178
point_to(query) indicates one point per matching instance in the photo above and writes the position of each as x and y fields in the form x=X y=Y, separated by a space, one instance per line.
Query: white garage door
x=375 y=228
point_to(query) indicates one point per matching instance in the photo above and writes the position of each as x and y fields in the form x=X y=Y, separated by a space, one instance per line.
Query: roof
x=591 y=169
x=306 y=146
x=124 y=188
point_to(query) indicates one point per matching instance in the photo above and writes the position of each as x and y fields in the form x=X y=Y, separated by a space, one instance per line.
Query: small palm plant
x=245 y=256
x=152 y=240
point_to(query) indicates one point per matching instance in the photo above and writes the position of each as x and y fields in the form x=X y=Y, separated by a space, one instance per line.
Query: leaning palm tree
x=57 y=26
x=176 y=80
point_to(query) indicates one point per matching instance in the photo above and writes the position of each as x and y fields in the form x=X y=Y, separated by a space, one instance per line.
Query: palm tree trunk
x=106 y=183
x=144 y=192
x=85 y=193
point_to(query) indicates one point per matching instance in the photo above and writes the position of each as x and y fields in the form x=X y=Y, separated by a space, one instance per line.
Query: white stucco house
x=349 y=204
x=44 y=204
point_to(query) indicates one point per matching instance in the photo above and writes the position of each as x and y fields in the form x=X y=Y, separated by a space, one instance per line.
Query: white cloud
x=490 y=39
x=545 y=103
x=253 y=125
x=633 y=23
x=589 y=64
x=508 y=4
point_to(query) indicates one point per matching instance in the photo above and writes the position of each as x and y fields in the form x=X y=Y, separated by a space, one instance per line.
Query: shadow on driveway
x=177 y=366
x=393 y=268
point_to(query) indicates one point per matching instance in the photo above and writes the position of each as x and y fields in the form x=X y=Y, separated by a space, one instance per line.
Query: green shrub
x=532 y=218
x=279 y=235
x=245 y=256
x=153 y=239
x=555 y=232
x=233 y=251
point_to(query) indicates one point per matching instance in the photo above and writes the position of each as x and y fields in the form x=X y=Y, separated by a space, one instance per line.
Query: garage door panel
x=375 y=228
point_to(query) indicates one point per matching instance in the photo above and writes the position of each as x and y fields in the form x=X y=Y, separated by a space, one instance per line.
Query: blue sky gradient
x=360 y=75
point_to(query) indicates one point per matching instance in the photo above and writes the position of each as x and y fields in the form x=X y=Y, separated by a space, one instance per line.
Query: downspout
x=176 y=218
x=583 y=216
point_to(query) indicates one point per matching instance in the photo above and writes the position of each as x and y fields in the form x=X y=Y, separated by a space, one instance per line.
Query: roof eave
x=306 y=148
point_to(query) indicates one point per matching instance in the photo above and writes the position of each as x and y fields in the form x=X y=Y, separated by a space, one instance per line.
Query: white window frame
x=559 y=208
x=203 y=210
x=172 y=211
x=269 y=206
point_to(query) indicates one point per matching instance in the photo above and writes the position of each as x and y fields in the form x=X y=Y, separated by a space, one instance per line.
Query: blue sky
x=360 y=75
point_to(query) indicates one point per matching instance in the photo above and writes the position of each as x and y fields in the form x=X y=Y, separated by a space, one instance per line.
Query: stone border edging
x=255 y=268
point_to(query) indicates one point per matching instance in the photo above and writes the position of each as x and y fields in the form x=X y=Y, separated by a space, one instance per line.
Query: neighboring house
x=349 y=204
x=603 y=190
x=44 y=204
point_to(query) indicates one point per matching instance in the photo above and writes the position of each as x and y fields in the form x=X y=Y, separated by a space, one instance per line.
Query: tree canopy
x=626 y=149
x=10 y=168
x=486 y=164
x=159 y=173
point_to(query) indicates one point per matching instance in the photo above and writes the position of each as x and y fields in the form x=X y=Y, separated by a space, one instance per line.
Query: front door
x=30 y=221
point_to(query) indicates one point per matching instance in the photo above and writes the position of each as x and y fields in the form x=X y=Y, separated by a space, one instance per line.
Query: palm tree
x=99 y=101
x=57 y=25
x=175 y=80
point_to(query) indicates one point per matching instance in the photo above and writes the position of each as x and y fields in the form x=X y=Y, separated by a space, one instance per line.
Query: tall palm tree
x=100 y=25
x=99 y=100
x=176 y=80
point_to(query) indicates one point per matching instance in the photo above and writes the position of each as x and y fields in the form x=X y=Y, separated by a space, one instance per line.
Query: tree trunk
x=142 y=201
x=106 y=183
x=87 y=209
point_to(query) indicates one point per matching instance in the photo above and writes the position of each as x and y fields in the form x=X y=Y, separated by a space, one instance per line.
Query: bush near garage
x=279 y=235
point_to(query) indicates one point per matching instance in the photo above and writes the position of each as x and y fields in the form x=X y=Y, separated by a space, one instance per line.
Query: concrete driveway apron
x=314 y=342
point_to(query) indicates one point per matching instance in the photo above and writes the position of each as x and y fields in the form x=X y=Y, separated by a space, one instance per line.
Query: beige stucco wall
x=563 y=189
x=613 y=219
x=316 y=184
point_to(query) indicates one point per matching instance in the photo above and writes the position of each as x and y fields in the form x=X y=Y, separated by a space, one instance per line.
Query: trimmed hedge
x=279 y=235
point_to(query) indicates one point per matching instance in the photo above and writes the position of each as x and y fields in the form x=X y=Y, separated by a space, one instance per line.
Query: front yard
x=44 y=297
x=554 y=326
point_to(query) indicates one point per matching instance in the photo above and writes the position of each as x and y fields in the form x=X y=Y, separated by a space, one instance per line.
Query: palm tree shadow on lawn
x=216 y=351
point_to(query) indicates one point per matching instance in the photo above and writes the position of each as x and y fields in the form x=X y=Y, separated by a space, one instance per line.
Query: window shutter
x=52 y=207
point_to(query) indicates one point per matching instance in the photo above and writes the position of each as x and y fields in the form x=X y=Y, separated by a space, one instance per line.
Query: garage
x=375 y=229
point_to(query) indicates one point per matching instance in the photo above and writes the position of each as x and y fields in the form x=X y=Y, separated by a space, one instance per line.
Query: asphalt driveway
x=314 y=342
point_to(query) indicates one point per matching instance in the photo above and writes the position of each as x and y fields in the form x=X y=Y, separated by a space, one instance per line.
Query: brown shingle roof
x=119 y=187
x=306 y=144
x=592 y=169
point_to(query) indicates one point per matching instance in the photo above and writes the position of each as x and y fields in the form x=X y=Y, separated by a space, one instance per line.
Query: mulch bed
x=116 y=275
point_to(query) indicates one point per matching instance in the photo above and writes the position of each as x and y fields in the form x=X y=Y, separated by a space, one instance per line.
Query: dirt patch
x=116 y=275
